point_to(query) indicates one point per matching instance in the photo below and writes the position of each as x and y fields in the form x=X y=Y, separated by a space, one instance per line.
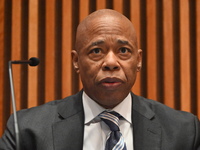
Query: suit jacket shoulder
x=160 y=127
x=40 y=126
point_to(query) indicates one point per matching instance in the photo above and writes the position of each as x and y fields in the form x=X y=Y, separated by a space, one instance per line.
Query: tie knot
x=111 y=119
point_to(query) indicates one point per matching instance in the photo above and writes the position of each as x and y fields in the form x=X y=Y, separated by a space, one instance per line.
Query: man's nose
x=110 y=62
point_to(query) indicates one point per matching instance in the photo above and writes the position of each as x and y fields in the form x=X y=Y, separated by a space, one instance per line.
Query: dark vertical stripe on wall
x=143 y=46
x=41 y=50
x=176 y=24
x=58 y=49
x=24 y=53
x=193 y=61
x=126 y=8
x=7 y=55
x=160 y=64
x=75 y=22
x=92 y=6
x=109 y=4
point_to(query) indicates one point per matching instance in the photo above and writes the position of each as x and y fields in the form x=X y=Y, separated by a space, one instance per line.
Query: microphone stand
x=16 y=127
x=33 y=61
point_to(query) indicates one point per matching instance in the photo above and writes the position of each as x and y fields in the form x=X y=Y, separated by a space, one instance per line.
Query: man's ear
x=139 y=60
x=75 y=60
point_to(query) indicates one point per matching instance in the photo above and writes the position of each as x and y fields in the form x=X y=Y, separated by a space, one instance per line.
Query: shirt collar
x=93 y=109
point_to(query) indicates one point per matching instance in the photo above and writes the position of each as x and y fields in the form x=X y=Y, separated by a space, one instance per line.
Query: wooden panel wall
x=168 y=33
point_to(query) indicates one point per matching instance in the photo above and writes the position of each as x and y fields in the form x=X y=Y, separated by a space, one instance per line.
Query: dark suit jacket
x=59 y=125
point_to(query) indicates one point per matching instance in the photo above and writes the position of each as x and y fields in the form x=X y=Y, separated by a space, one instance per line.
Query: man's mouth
x=111 y=83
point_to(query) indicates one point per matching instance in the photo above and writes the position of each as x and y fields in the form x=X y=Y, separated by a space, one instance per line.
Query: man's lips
x=111 y=82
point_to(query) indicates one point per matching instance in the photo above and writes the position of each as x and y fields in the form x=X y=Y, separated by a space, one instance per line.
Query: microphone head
x=34 y=61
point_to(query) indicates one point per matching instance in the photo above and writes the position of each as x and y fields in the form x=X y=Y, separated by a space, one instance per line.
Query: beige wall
x=168 y=33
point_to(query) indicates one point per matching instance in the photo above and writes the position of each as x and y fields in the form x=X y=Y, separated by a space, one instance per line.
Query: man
x=107 y=58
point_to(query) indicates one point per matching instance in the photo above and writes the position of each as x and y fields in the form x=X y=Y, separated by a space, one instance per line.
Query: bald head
x=102 y=18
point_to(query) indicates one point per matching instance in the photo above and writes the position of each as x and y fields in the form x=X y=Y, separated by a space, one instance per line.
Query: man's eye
x=124 y=50
x=124 y=53
x=96 y=51
x=95 y=54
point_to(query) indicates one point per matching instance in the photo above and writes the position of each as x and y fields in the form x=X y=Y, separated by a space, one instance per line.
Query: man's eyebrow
x=97 y=42
x=123 y=42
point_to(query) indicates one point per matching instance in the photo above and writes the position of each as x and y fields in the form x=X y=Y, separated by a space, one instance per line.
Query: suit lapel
x=146 y=129
x=68 y=130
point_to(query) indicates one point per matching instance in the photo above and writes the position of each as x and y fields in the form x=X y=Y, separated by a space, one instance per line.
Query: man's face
x=107 y=60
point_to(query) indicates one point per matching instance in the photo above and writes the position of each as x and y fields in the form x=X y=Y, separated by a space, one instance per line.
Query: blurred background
x=168 y=33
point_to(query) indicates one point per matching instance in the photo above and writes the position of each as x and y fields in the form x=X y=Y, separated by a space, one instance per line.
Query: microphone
x=33 y=61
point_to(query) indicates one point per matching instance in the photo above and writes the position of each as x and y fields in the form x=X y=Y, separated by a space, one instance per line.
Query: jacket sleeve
x=7 y=141
x=197 y=139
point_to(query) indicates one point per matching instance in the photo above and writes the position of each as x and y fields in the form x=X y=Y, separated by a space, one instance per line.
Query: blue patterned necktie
x=115 y=141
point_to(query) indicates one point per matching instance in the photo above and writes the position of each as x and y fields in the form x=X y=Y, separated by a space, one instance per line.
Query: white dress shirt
x=96 y=131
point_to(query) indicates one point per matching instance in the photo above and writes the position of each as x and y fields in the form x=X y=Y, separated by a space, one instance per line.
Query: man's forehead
x=106 y=25
x=104 y=22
